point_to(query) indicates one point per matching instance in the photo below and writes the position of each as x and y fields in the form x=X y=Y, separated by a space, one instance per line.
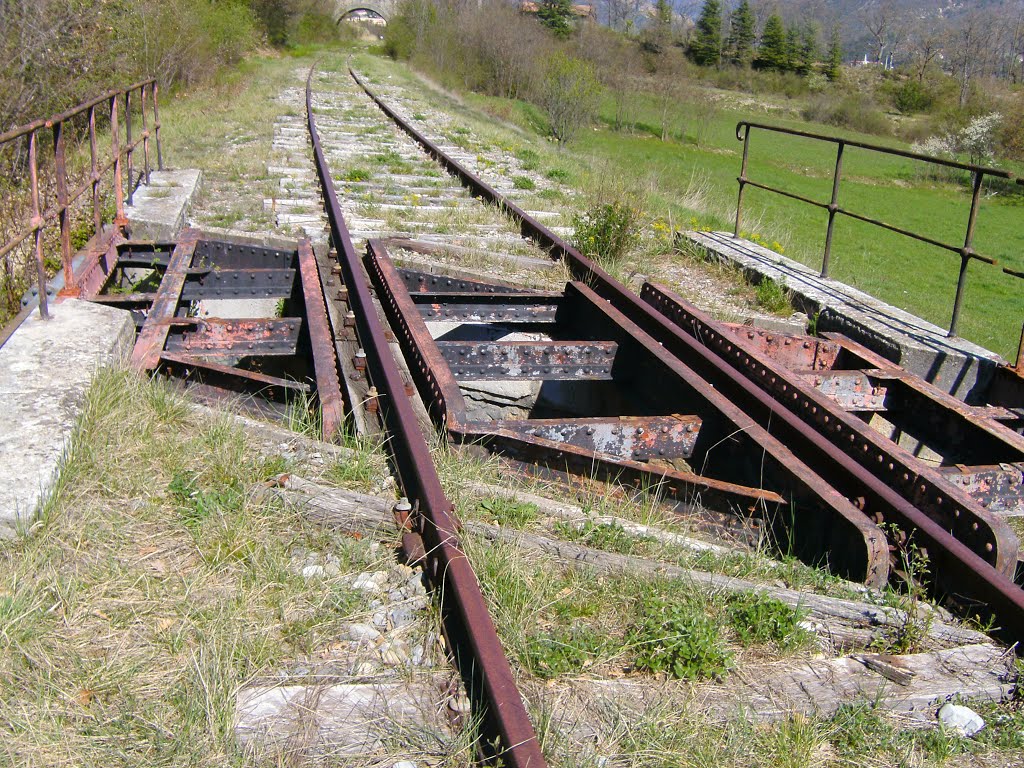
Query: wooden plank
x=153 y=336
x=348 y=718
x=776 y=691
x=367 y=514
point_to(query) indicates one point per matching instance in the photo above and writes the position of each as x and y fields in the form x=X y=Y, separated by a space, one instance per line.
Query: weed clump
x=678 y=638
x=563 y=651
x=515 y=514
x=772 y=297
x=357 y=174
x=608 y=231
x=523 y=182
x=757 y=618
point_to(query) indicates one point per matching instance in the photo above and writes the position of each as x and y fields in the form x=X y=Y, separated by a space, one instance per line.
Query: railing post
x=965 y=254
x=1020 y=354
x=128 y=143
x=742 y=179
x=156 y=128
x=37 y=225
x=97 y=213
x=115 y=148
x=833 y=207
x=145 y=135
x=63 y=214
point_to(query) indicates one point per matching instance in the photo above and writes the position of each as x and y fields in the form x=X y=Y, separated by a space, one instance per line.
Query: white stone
x=370 y=582
x=962 y=719
x=363 y=633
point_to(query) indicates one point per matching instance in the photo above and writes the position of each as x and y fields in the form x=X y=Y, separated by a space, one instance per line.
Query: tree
x=773 y=52
x=884 y=25
x=807 y=49
x=967 y=47
x=927 y=40
x=834 y=57
x=792 y=47
x=742 y=35
x=658 y=34
x=706 y=47
x=556 y=15
x=568 y=94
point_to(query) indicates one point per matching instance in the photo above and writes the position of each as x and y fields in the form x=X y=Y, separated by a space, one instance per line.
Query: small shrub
x=677 y=638
x=912 y=96
x=855 y=111
x=771 y=296
x=523 y=182
x=558 y=174
x=608 y=231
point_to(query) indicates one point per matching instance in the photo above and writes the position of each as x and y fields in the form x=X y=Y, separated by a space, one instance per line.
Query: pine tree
x=742 y=35
x=773 y=52
x=834 y=57
x=706 y=48
x=556 y=15
x=807 y=53
x=792 y=48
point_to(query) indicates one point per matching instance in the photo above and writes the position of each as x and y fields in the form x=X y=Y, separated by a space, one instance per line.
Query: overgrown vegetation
x=157 y=582
x=608 y=231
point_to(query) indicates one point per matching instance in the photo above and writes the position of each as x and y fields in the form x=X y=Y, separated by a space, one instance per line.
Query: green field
x=694 y=184
x=915 y=276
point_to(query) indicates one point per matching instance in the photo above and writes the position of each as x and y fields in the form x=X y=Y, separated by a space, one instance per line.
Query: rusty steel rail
x=35 y=225
x=957 y=568
x=434 y=527
x=965 y=250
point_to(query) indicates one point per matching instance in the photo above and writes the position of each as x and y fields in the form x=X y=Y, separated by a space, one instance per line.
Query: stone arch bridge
x=386 y=9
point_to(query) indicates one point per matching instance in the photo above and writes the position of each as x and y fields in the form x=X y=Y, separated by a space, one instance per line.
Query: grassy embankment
x=694 y=184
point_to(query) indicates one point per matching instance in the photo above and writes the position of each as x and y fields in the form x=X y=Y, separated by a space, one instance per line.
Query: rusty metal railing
x=965 y=251
x=112 y=103
x=1019 y=364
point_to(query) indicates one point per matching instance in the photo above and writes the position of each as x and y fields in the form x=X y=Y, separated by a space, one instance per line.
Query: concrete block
x=159 y=211
x=954 y=365
x=45 y=369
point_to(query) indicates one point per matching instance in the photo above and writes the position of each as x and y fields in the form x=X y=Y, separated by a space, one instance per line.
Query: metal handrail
x=965 y=251
x=36 y=223
x=1019 y=364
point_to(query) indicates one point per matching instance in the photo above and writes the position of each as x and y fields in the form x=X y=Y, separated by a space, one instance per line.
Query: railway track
x=809 y=446
x=787 y=465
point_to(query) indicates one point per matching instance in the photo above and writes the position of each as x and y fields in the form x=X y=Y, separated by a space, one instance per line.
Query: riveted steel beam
x=527 y=360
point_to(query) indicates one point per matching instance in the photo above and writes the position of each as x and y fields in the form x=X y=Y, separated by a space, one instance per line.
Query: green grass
x=156 y=583
x=910 y=275
x=914 y=276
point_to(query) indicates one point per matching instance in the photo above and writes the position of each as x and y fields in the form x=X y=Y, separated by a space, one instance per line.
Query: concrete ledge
x=955 y=365
x=159 y=211
x=45 y=369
